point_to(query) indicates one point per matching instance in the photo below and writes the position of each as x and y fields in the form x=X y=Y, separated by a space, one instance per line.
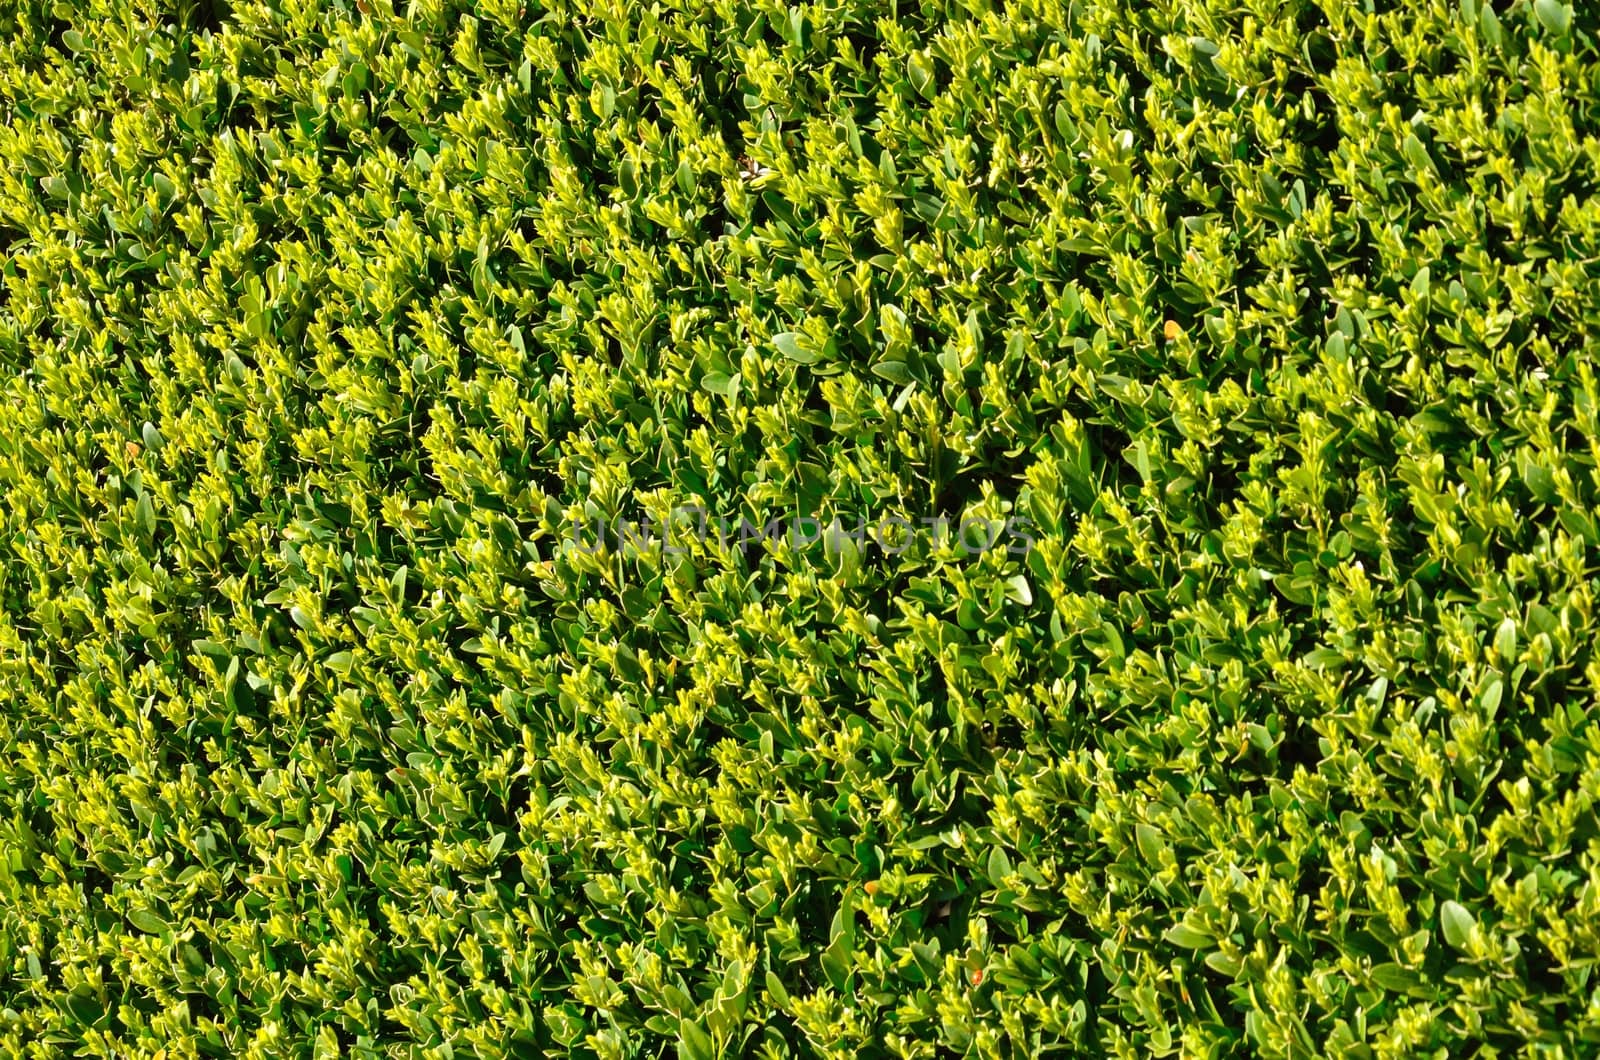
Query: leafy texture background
x=323 y=324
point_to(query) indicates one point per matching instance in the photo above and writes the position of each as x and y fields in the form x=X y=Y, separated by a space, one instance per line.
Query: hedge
x=1266 y=327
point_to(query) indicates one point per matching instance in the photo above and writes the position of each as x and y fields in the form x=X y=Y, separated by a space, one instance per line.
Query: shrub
x=1266 y=328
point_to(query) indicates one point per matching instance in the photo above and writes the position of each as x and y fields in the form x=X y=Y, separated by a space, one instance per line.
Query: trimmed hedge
x=325 y=323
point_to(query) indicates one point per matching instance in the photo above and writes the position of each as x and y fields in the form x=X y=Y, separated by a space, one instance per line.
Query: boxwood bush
x=326 y=322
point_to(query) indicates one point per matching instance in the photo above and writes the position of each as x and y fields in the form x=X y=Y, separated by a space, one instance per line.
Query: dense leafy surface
x=324 y=323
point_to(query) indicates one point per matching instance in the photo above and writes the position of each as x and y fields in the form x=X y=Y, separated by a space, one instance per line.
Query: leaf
x=1458 y=925
x=1417 y=155
x=693 y=1042
x=1186 y=937
x=1554 y=16
x=355 y=82
x=1489 y=698
x=1422 y=282
x=1114 y=640
x=147 y=922
x=839 y=545
x=836 y=961
x=1505 y=640
x=894 y=371
x=720 y=383
x=734 y=980
x=1323 y=658
x=84 y=1005
x=1152 y=845
x=775 y=987
x=1064 y=125
x=789 y=344
x=144 y=515
x=1393 y=977
x=920 y=70
x=1489 y=23
x=999 y=866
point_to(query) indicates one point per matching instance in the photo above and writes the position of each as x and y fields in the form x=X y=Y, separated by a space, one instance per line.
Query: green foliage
x=326 y=320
